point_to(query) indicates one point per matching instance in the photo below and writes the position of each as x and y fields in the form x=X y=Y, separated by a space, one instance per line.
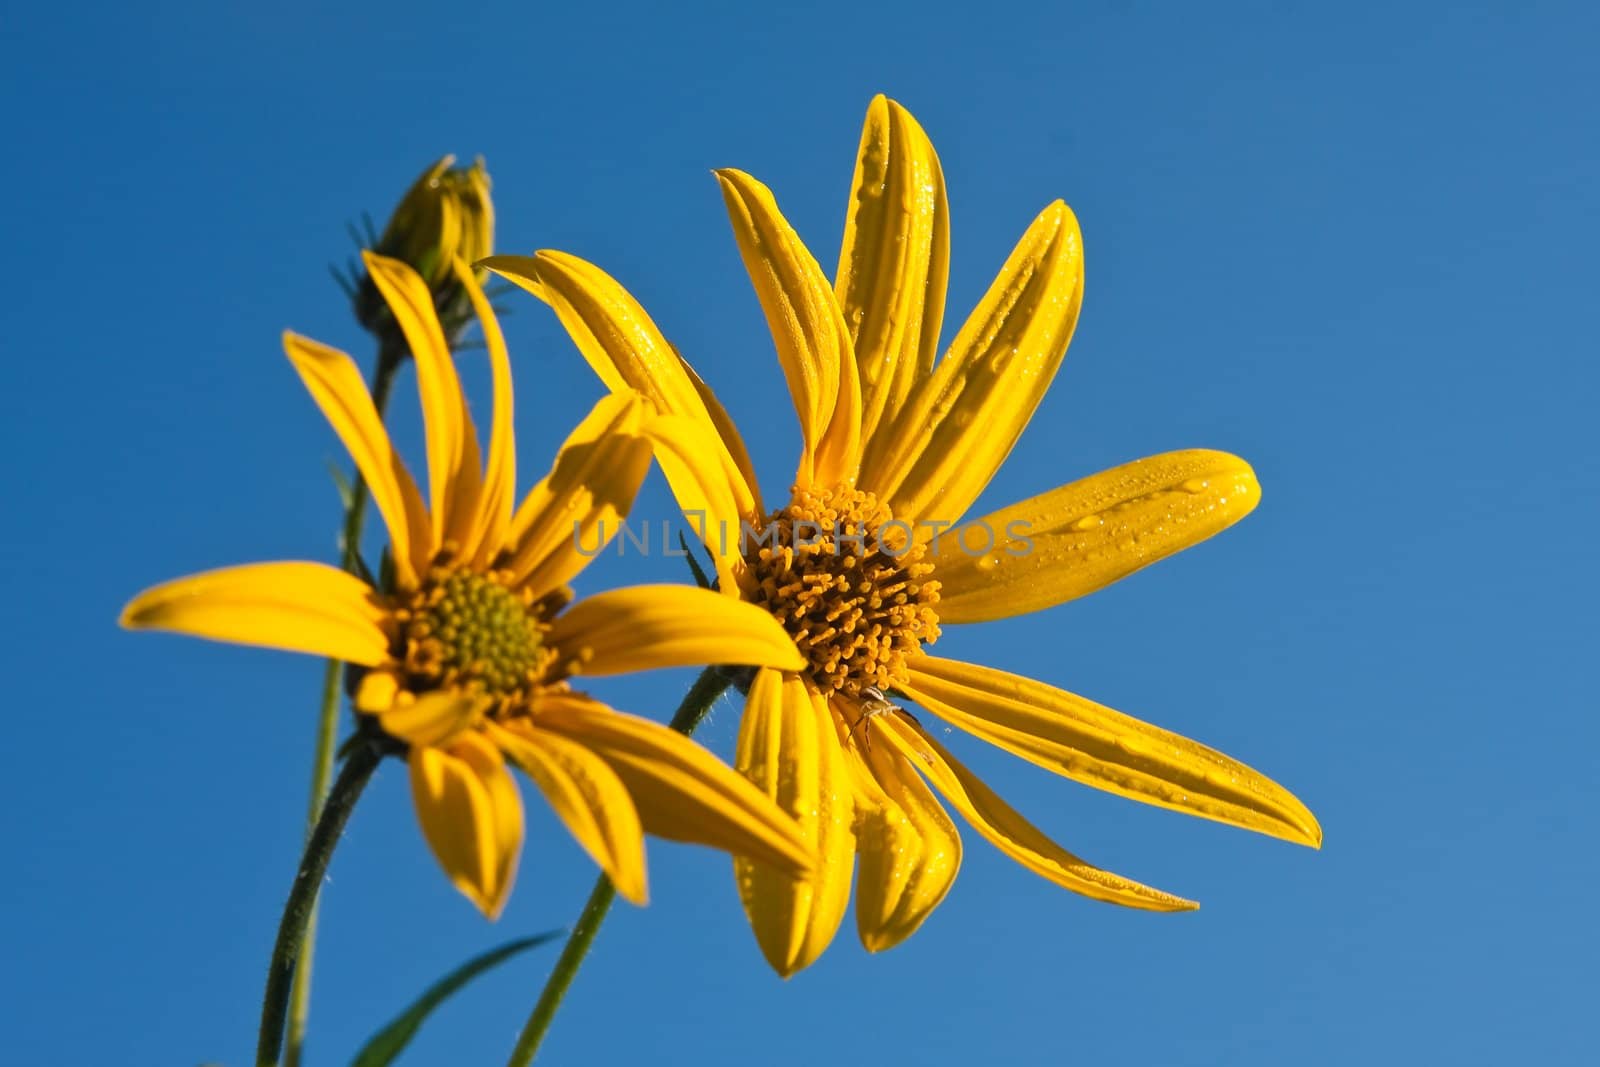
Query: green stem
x=301 y=905
x=696 y=704
x=391 y=353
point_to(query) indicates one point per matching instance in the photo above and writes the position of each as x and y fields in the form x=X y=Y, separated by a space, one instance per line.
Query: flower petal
x=789 y=747
x=1010 y=832
x=745 y=488
x=380 y=689
x=500 y=477
x=895 y=260
x=471 y=815
x=649 y=626
x=622 y=344
x=615 y=334
x=1107 y=749
x=809 y=330
x=1083 y=536
x=453 y=474
x=506 y=800
x=688 y=457
x=910 y=851
x=959 y=424
x=336 y=385
x=300 y=607
x=431 y=720
x=682 y=792
x=588 y=796
x=568 y=517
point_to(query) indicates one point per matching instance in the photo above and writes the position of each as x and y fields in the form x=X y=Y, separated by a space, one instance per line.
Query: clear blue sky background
x=1356 y=247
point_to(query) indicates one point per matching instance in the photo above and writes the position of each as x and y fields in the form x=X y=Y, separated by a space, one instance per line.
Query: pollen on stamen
x=471 y=630
x=855 y=604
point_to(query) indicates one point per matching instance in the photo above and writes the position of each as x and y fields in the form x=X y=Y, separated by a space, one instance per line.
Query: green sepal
x=694 y=564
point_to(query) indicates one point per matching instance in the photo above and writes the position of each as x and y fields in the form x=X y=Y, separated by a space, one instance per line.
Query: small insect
x=873 y=704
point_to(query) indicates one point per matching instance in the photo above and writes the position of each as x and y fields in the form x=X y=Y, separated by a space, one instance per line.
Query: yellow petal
x=895 y=260
x=450 y=223
x=812 y=340
x=506 y=801
x=910 y=851
x=1107 y=749
x=337 y=386
x=622 y=344
x=455 y=812
x=477 y=215
x=689 y=458
x=959 y=424
x=431 y=720
x=453 y=474
x=1010 y=832
x=615 y=334
x=589 y=798
x=471 y=816
x=300 y=607
x=648 y=626
x=1083 y=536
x=683 y=792
x=789 y=748
x=626 y=349
x=579 y=506
x=379 y=690
x=500 y=477
x=745 y=489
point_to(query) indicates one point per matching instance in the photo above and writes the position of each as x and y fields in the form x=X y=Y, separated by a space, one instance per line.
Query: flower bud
x=447 y=212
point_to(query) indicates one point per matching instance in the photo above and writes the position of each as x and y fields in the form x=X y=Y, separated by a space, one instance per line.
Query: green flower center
x=836 y=571
x=468 y=630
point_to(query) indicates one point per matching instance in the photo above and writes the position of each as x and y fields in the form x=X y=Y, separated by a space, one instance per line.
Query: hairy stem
x=298 y=909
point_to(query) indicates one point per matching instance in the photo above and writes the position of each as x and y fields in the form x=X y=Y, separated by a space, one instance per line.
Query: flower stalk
x=299 y=909
x=711 y=684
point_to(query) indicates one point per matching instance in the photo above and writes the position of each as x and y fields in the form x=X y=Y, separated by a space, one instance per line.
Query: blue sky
x=1354 y=246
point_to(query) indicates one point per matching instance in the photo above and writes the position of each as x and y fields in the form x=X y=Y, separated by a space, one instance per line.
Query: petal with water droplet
x=959 y=423
x=1008 y=831
x=1097 y=746
x=894 y=261
x=789 y=748
x=1085 y=535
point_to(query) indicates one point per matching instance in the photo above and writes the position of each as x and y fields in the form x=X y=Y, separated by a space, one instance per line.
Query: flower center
x=469 y=630
x=847 y=584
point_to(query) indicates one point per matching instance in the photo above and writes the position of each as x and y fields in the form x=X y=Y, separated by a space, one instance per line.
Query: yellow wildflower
x=469 y=649
x=862 y=567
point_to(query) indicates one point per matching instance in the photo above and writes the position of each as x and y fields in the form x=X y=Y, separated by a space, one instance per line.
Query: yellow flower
x=446 y=215
x=895 y=444
x=468 y=651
